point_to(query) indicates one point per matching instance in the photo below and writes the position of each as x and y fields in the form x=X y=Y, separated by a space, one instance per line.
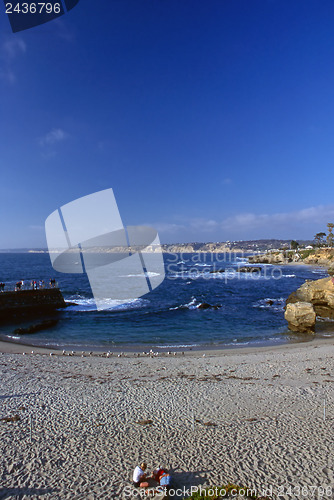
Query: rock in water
x=248 y=269
x=37 y=327
x=300 y=317
x=205 y=305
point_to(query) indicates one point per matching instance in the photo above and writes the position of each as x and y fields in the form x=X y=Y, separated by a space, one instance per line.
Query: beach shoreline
x=74 y=427
x=12 y=347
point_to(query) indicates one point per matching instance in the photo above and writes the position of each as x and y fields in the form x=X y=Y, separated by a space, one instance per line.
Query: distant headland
x=249 y=246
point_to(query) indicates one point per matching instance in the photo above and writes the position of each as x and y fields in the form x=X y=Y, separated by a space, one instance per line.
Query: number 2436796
x=33 y=8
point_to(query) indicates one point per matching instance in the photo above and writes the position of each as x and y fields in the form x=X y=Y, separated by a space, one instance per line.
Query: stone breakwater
x=26 y=301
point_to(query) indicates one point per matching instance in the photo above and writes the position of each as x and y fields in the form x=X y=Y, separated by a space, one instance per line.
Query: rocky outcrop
x=248 y=269
x=205 y=305
x=44 y=325
x=319 y=293
x=313 y=298
x=268 y=258
x=244 y=269
x=300 y=317
x=321 y=257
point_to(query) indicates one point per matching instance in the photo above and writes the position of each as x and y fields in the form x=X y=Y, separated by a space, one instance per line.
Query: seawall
x=26 y=301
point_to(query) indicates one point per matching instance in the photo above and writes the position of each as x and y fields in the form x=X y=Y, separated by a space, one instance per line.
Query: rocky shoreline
x=321 y=257
x=314 y=298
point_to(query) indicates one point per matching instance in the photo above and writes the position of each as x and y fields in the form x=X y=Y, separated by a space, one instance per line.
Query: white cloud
x=10 y=49
x=164 y=228
x=303 y=224
x=53 y=137
x=62 y=30
x=7 y=75
x=203 y=224
x=13 y=47
x=313 y=215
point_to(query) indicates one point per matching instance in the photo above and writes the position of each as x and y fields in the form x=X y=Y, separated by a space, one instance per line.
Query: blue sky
x=211 y=120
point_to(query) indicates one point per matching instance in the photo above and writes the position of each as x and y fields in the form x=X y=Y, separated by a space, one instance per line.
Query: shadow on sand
x=24 y=492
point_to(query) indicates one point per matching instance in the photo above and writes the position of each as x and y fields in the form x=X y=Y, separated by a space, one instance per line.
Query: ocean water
x=250 y=308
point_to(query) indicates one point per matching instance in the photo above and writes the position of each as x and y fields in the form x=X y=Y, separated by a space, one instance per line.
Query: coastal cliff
x=321 y=257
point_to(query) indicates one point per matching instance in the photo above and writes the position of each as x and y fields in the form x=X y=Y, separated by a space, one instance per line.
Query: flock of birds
x=108 y=354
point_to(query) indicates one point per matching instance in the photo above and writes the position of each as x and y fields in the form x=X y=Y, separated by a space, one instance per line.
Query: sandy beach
x=250 y=417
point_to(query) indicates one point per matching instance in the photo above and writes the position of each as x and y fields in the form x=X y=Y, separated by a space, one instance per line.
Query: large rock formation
x=313 y=298
x=300 y=317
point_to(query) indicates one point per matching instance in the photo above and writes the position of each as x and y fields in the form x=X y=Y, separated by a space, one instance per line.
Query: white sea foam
x=274 y=304
x=320 y=271
x=85 y=304
x=236 y=343
x=176 y=346
x=189 y=305
x=140 y=275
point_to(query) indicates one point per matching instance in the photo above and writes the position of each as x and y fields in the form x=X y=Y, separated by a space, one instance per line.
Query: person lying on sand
x=139 y=475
